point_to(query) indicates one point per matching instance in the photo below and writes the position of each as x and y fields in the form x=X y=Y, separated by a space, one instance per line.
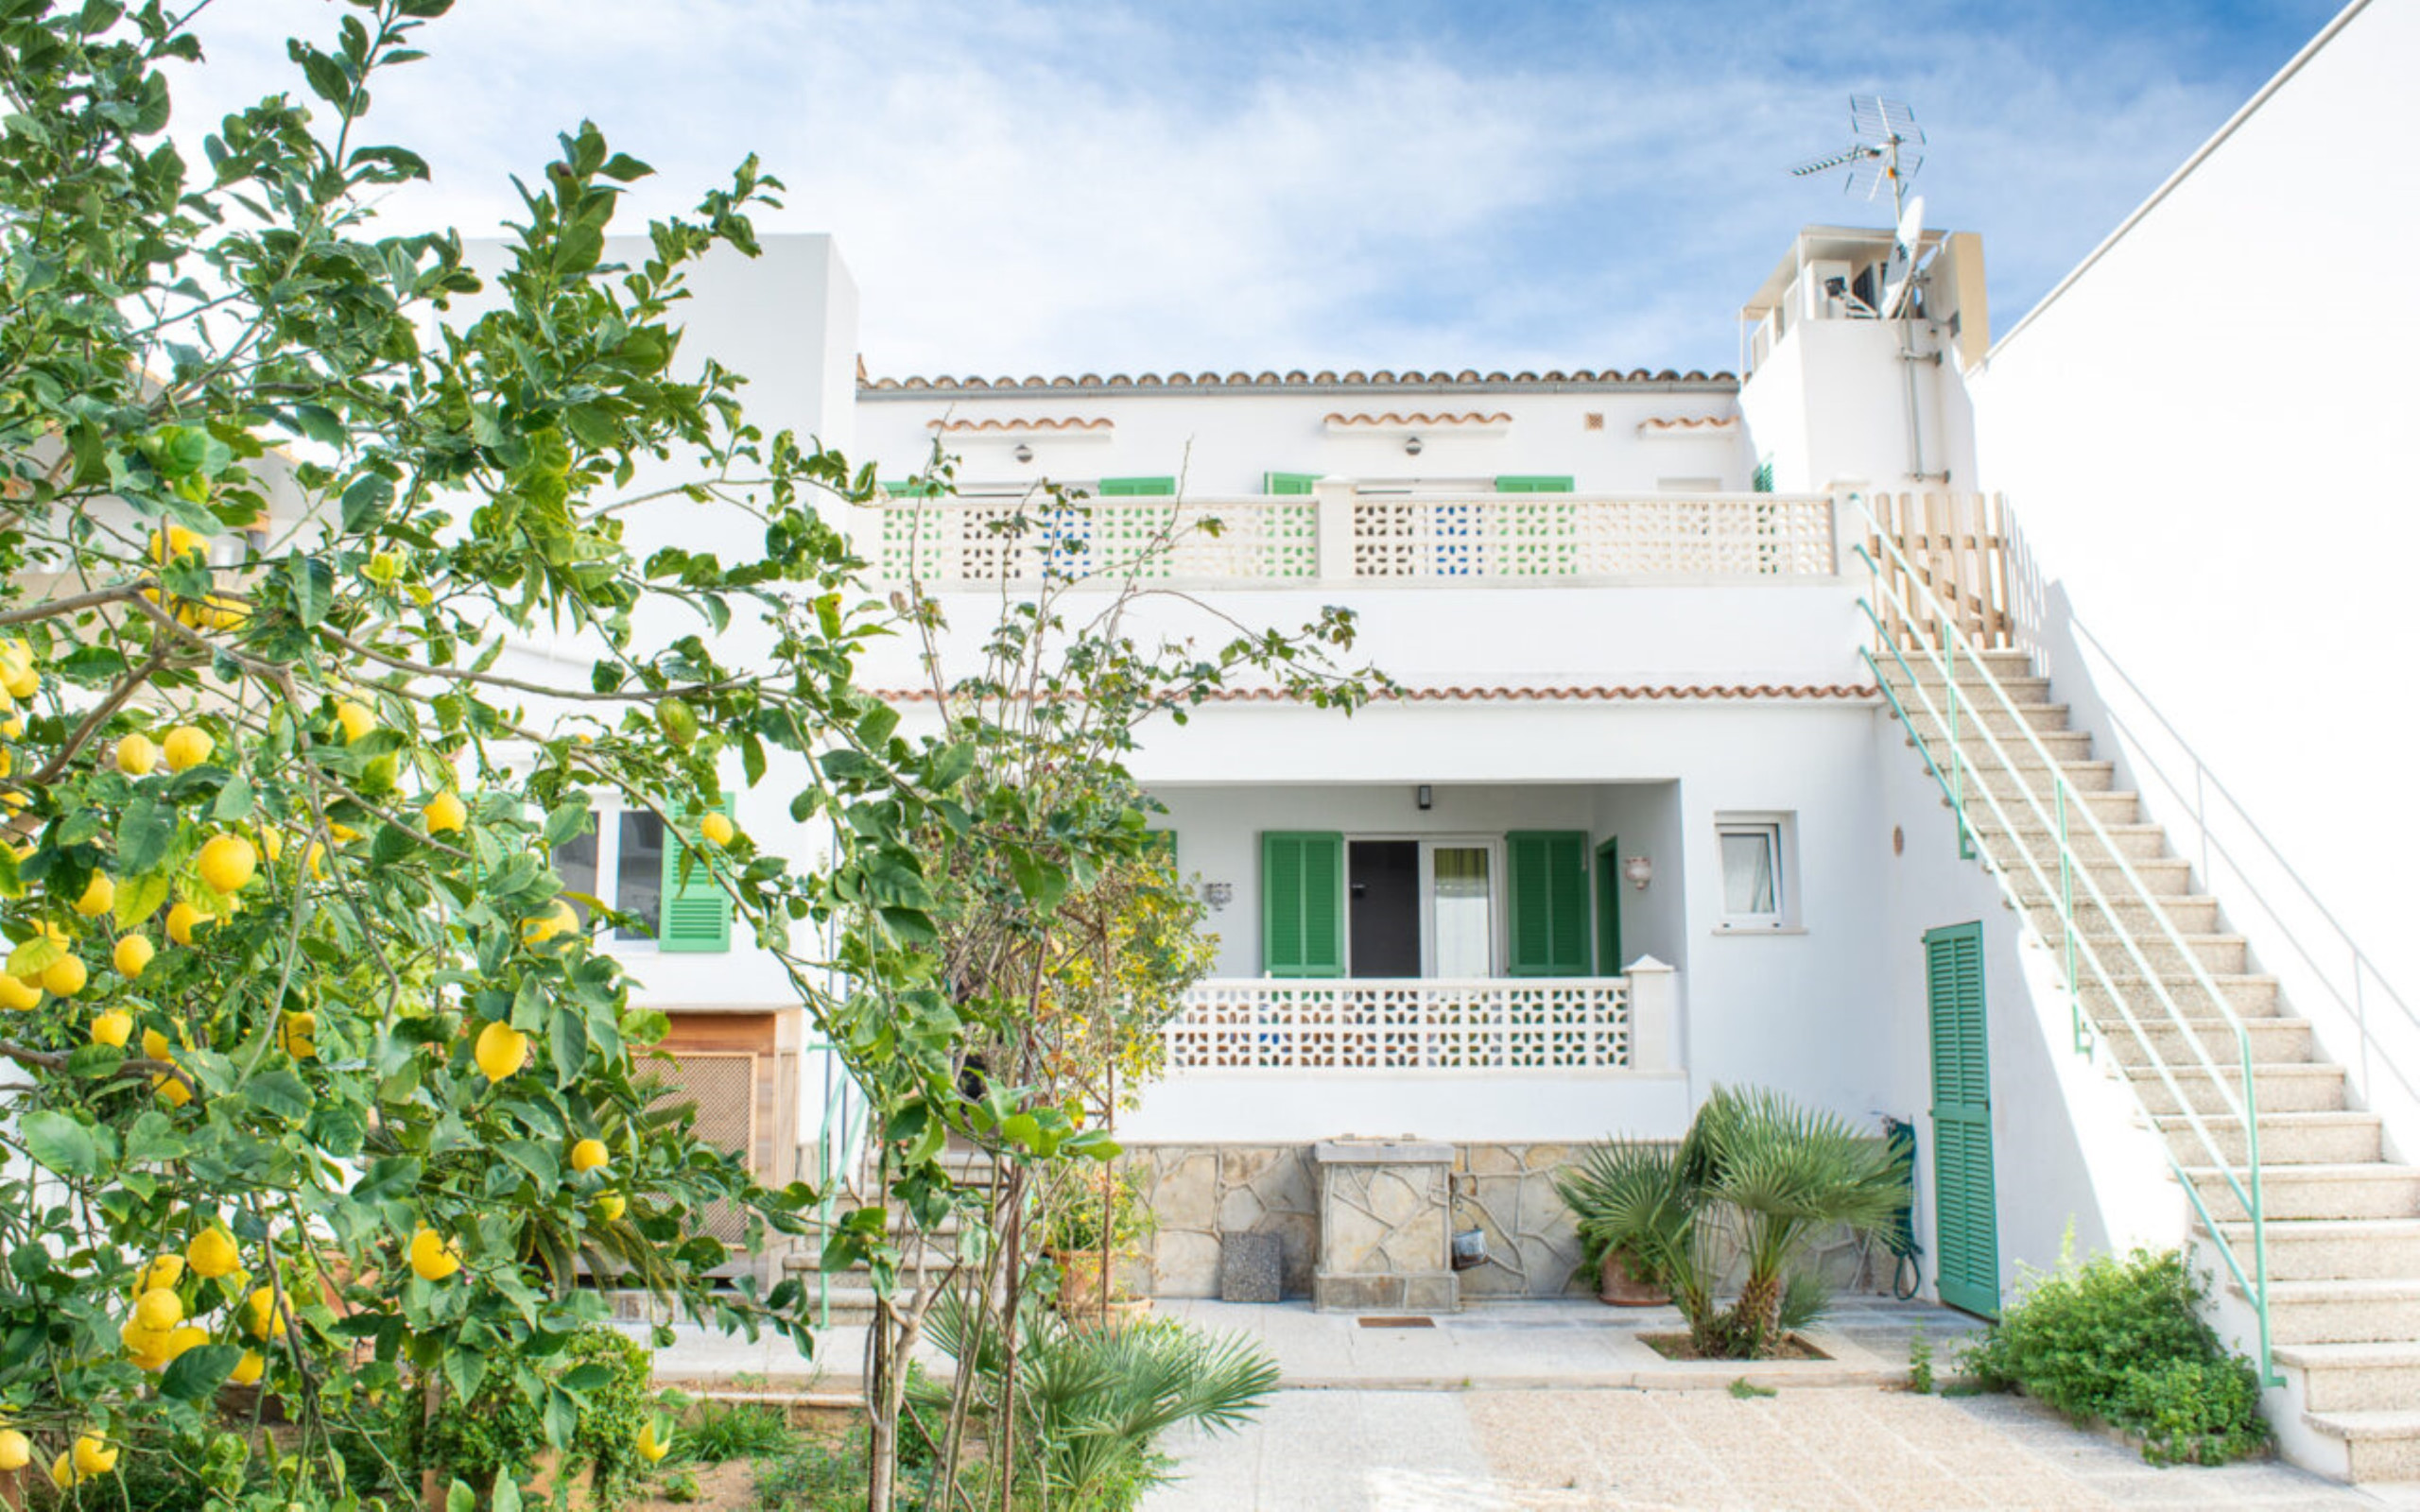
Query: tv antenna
x=1886 y=148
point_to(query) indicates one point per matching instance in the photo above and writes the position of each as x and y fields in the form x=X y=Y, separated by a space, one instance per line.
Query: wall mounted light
x=1411 y=447
x=1639 y=871
x=1024 y=453
x=1426 y=796
x=1218 y=894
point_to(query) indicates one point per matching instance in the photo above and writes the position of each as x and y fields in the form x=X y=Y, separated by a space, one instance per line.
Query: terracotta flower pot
x=1078 y=1279
x=1617 y=1286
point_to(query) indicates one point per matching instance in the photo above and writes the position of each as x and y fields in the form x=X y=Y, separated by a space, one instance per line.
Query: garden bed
x=1677 y=1347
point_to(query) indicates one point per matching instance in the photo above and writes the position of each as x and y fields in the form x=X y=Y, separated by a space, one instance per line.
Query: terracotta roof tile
x=1689 y=422
x=1297 y=378
x=1070 y=423
x=1564 y=692
x=1470 y=417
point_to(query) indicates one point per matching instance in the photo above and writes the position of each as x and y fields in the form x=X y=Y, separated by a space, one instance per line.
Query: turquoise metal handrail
x=2070 y=870
x=837 y=1143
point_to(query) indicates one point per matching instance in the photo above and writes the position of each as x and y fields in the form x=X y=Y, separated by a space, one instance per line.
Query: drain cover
x=1398 y=1322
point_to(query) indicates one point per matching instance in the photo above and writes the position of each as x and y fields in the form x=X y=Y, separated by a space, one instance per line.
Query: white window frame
x=1779 y=829
x=605 y=810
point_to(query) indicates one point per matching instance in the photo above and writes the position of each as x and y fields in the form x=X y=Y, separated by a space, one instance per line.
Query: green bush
x=720 y=1431
x=2123 y=1340
x=501 y=1428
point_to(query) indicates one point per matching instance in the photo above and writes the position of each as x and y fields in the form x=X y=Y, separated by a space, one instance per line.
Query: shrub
x=501 y=1430
x=720 y=1431
x=2123 y=1340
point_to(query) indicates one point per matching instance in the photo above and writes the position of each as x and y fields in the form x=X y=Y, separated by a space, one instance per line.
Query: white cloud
x=1025 y=187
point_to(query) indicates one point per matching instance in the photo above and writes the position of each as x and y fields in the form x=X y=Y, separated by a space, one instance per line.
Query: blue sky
x=1025 y=187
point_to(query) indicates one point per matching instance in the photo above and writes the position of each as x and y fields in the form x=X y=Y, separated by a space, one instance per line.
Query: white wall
x=2205 y=434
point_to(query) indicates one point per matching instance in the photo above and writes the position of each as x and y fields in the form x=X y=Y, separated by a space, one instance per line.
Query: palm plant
x=1090 y=1402
x=1755 y=1179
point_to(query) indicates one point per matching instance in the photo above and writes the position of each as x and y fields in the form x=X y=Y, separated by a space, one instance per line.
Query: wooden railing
x=1955 y=545
x=1338 y=535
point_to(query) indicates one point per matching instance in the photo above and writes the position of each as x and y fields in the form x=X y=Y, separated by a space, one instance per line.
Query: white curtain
x=1749 y=885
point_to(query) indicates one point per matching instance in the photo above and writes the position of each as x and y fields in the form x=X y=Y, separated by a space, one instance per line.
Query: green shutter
x=1288 y=483
x=1763 y=482
x=1301 y=903
x=1965 y=1221
x=1133 y=488
x=1550 y=901
x=1533 y=483
x=696 y=912
x=913 y=489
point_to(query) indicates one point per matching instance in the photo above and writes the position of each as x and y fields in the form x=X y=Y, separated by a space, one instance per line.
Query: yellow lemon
x=99 y=894
x=13 y=727
x=187 y=1337
x=187 y=745
x=262 y=1319
x=297 y=1035
x=313 y=857
x=172 y=1091
x=356 y=719
x=62 y=1470
x=165 y=1270
x=8 y=764
x=137 y=1339
x=184 y=920
x=155 y=1044
x=112 y=1028
x=136 y=755
x=345 y=834
x=444 y=813
x=132 y=956
x=653 y=1447
x=227 y=862
x=558 y=919
x=21 y=682
x=432 y=1257
x=213 y=1254
x=93 y=1456
x=18 y=994
x=611 y=1207
x=16 y=1450
x=272 y=846
x=159 y=1309
x=174 y=541
x=65 y=976
x=717 y=829
x=588 y=1155
x=500 y=1050
x=248 y=1370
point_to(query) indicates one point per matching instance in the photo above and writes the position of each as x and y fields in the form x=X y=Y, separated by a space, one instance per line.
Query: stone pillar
x=1386 y=1226
x=1654 y=1016
x=1332 y=500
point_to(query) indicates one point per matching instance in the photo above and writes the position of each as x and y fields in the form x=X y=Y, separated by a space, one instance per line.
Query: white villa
x=1918 y=722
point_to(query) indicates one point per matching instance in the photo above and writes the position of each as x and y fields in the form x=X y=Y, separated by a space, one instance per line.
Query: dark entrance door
x=1383 y=882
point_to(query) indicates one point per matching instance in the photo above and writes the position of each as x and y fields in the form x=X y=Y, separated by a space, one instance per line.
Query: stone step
x=2251 y=995
x=2162 y=877
x=2355 y=1377
x=2385 y=1311
x=2380 y=1445
x=2010 y=745
x=2120 y=911
x=2286 y=1138
x=2021 y=687
x=2296 y=1086
x=2127 y=835
x=2275 y=1041
x=2086 y=779
x=2358 y=1249
x=2321 y=1192
x=2042 y=718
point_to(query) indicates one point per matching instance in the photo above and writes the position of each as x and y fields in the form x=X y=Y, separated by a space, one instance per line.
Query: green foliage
x=717 y=1431
x=503 y=1429
x=1087 y=1201
x=1755 y=1179
x=1744 y=1389
x=2123 y=1340
x=1920 y=1377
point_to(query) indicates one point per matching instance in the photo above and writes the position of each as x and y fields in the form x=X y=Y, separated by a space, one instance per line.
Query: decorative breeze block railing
x=1342 y=536
x=1497 y=1024
x=980 y=541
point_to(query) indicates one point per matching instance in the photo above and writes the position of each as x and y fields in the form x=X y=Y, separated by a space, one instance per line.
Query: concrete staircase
x=852 y=1294
x=2341 y=1220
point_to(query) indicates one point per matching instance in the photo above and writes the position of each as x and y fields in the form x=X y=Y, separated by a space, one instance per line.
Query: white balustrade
x=1489 y=1025
x=1340 y=535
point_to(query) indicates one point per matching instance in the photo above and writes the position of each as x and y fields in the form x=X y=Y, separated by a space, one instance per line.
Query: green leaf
x=313 y=583
x=139 y=897
x=459 y=1497
x=235 y=799
x=145 y=833
x=34 y=955
x=60 y=1143
x=198 y=1373
x=367 y=502
x=568 y=1042
x=280 y=1094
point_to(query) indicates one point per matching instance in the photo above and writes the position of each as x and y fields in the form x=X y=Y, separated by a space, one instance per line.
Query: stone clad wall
x=1202 y=1192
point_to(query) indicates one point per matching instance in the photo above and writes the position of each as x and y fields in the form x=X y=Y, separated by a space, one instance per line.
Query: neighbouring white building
x=1769 y=730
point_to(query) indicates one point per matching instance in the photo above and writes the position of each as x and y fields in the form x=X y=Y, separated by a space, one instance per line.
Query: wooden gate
x=1957 y=544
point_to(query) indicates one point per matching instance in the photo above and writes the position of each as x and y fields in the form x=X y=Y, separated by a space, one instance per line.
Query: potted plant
x=1093 y=1217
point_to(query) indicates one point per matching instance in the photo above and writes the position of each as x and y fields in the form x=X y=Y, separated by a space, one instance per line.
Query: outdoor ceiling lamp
x=1024 y=453
x=1639 y=871
x=1218 y=894
x=1424 y=797
x=1411 y=447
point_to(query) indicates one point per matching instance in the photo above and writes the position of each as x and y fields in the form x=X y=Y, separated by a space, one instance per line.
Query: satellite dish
x=1886 y=148
x=1907 y=244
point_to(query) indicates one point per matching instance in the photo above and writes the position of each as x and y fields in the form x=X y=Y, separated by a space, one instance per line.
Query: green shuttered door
x=1301 y=903
x=1550 y=901
x=696 y=912
x=1965 y=1218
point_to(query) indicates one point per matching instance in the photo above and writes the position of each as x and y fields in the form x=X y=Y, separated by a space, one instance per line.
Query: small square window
x=638 y=884
x=1758 y=858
